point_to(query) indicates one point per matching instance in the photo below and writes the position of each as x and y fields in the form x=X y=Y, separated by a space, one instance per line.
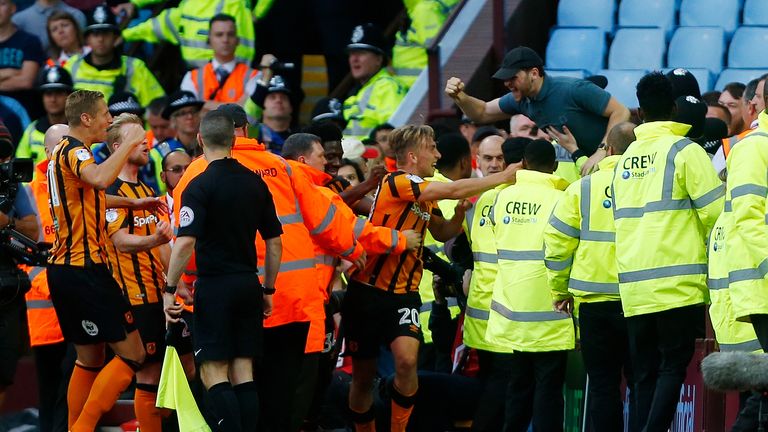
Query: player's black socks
x=225 y=407
x=248 y=397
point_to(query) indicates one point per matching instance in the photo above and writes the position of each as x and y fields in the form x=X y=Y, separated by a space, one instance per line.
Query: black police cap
x=124 y=102
x=54 y=78
x=368 y=37
x=101 y=19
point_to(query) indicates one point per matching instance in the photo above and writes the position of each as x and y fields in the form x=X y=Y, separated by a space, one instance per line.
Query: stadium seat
x=737 y=75
x=648 y=13
x=697 y=47
x=756 y=12
x=637 y=48
x=622 y=84
x=576 y=48
x=571 y=73
x=718 y=13
x=748 y=48
x=587 y=13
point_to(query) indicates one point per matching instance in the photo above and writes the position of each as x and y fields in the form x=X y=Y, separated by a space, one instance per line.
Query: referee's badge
x=186 y=216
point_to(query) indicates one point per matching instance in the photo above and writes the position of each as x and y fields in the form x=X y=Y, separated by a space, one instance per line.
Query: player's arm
x=445 y=229
x=466 y=188
x=132 y=243
x=148 y=203
x=477 y=110
x=101 y=176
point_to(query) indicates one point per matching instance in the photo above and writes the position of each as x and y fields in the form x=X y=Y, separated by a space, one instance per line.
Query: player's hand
x=133 y=134
x=163 y=232
x=454 y=87
x=360 y=261
x=171 y=308
x=412 y=239
x=462 y=207
x=267 y=60
x=510 y=173
x=376 y=174
x=151 y=204
x=590 y=165
x=565 y=138
x=564 y=306
x=267 y=305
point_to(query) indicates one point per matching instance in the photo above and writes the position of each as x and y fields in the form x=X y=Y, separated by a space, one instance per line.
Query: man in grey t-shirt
x=34 y=19
x=588 y=111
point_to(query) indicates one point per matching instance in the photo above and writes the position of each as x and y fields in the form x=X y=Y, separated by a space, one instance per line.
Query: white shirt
x=188 y=85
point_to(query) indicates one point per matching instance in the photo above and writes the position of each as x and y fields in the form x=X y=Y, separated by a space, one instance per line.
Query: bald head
x=490 y=158
x=620 y=137
x=53 y=135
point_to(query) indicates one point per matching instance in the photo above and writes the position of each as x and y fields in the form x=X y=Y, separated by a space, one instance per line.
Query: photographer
x=16 y=212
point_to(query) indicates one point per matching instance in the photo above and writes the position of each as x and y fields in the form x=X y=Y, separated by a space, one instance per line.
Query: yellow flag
x=174 y=393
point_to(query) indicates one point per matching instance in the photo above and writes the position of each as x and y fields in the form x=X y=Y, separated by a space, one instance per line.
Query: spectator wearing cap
x=34 y=19
x=183 y=111
x=21 y=57
x=104 y=69
x=329 y=109
x=379 y=92
x=187 y=26
x=224 y=79
x=409 y=55
x=55 y=84
x=66 y=38
x=588 y=111
x=731 y=99
x=274 y=97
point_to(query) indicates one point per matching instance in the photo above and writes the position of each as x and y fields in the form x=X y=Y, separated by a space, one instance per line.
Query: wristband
x=577 y=154
x=269 y=291
x=170 y=289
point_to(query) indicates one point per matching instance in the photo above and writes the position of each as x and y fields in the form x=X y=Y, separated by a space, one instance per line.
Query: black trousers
x=279 y=375
x=536 y=391
x=495 y=370
x=661 y=345
x=605 y=349
x=53 y=364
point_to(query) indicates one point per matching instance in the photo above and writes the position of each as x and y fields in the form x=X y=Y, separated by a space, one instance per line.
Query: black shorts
x=228 y=318
x=150 y=320
x=90 y=304
x=13 y=319
x=372 y=317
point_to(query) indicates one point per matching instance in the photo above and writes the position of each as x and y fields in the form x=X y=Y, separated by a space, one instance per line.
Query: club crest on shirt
x=414 y=178
x=82 y=154
x=111 y=215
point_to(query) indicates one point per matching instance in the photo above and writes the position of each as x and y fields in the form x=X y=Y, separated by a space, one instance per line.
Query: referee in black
x=228 y=295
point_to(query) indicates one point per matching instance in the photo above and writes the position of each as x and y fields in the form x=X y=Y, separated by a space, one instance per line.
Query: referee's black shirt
x=222 y=208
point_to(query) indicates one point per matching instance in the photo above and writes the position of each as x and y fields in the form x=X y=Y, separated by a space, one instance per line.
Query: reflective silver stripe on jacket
x=479 y=314
x=594 y=287
x=521 y=255
x=667 y=202
x=326 y=222
x=39 y=304
x=663 y=272
x=717 y=284
x=558 y=265
x=564 y=227
x=527 y=316
x=485 y=257
x=427 y=307
x=749 y=274
x=287 y=266
x=584 y=207
x=748 y=346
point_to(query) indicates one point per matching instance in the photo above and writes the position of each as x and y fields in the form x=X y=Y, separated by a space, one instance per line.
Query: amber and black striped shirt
x=77 y=208
x=141 y=274
x=395 y=206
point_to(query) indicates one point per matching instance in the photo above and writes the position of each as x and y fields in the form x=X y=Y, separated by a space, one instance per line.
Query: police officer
x=55 y=84
x=746 y=242
x=521 y=315
x=580 y=256
x=666 y=200
x=228 y=294
x=104 y=69
x=187 y=26
x=183 y=111
x=379 y=92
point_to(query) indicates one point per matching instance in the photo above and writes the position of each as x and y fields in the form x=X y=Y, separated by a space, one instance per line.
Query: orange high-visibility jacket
x=375 y=240
x=233 y=90
x=304 y=213
x=729 y=142
x=43 y=323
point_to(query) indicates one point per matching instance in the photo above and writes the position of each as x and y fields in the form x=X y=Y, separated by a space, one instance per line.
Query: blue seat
x=587 y=13
x=570 y=73
x=748 y=48
x=648 y=13
x=697 y=47
x=738 y=75
x=707 y=13
x=622 y=85
x=576 y=48
x=755 y=12
x=637 y=48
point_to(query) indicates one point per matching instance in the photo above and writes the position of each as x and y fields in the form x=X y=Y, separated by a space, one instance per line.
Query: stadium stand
x=648 y=13
x=576 y=48
x=711 y=13
x=755 y=12
x=637 y=48
x=746 y=44
x=710 y=52
x=621 y=84
x=587 y=13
